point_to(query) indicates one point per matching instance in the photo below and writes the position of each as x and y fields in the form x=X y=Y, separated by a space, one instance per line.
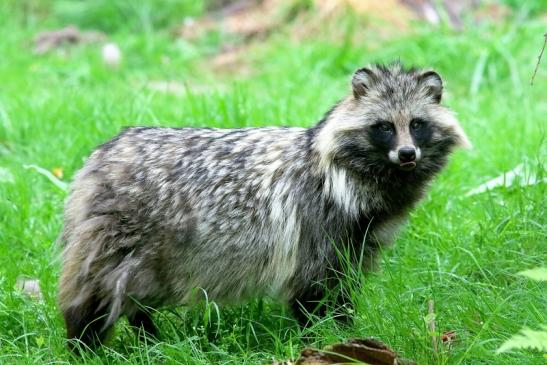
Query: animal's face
x=401 y=142
x=394 y=121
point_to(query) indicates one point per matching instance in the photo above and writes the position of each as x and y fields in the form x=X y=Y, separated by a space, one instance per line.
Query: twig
x=539 y=58
x=431 y=324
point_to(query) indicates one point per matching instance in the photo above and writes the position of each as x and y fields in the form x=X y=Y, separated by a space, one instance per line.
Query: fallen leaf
x=448 y=338
x=58 y=172
x=358 y=351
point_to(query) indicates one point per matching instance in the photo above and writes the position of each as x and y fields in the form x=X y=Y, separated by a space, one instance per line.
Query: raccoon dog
x=158 y=214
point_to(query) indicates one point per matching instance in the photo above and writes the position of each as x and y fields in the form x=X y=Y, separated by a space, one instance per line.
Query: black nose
x=407 y=154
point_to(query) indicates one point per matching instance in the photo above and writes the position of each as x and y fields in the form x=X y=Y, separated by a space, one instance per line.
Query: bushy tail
x=89 y=297
x=85 y=309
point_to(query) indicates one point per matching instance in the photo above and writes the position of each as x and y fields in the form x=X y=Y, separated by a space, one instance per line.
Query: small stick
x=539 y=58
x=431 y=324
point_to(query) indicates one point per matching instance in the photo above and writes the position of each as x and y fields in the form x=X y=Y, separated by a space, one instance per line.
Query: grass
x=462 y=252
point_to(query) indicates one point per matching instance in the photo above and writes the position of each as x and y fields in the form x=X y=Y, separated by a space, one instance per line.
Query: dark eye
x=416 y=124
x=384 y=127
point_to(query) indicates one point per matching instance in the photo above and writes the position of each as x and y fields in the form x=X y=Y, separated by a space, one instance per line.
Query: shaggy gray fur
x=158 y=215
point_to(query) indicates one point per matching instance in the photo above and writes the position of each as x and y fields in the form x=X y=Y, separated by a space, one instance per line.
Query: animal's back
x=164 y=211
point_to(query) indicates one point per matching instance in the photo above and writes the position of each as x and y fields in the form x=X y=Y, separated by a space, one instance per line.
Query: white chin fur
x=394 y=157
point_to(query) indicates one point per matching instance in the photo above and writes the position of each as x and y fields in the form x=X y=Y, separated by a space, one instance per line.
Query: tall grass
x=461 y=251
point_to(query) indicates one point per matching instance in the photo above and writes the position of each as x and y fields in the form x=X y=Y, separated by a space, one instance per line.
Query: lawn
x=461 y=251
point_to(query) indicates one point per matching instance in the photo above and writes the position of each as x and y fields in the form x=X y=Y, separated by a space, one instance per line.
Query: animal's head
x=393 y=122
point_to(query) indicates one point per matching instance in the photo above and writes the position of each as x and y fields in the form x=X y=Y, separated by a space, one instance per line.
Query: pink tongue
x=408 y=164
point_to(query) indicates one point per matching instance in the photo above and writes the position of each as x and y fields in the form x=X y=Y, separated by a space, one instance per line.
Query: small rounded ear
x=433 y=83
x=361 y=82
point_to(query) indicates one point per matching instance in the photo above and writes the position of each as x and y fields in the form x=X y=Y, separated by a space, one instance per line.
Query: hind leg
x=86 y=324
x=316 y=302
x=143 y=323
x=307 y=303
